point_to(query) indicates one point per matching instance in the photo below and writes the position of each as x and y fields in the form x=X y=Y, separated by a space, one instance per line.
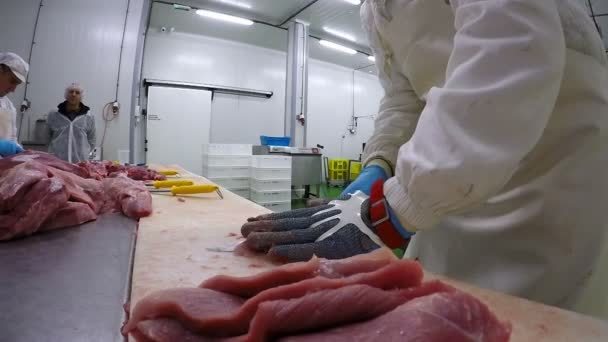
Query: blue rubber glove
x=9 y=148
x=370 y=175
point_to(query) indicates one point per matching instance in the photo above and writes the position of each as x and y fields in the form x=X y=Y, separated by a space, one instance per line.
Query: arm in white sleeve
x=400 y=107
x=502 y=84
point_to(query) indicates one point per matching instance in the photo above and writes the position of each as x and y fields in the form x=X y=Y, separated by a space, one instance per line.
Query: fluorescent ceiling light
x=354 y=2
x=340 y=34
x=372 y=58
x=236 y=3
x=338 y=47
x=224 y=17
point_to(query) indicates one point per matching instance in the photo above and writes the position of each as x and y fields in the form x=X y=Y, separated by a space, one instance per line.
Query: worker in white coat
x=72 y=127
x=13 y=72
x=490 y=145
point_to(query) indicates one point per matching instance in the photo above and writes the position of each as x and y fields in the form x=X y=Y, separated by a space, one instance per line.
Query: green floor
x=330 y=192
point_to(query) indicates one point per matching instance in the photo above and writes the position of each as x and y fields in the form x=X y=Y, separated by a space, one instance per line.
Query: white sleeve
x=400 y=107
x=502 y=84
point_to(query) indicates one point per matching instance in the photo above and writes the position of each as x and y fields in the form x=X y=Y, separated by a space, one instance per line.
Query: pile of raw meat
x=372 y=297
x=39 y=192
x=106 y=168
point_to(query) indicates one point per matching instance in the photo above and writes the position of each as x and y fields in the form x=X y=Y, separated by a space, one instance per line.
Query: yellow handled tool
x=168 y=172
x=193 y=189
x=170 y=183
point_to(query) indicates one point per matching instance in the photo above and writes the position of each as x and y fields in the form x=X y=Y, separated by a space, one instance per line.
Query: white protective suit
x=71 y=141
x=8 y=119
x=495 y=118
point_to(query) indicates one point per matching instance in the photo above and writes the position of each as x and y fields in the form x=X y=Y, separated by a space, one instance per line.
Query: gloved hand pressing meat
x=9 y=148
x=354 y=224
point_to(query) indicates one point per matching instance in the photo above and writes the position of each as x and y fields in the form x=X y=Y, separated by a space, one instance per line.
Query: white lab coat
x=495 y=119
x=8 y=119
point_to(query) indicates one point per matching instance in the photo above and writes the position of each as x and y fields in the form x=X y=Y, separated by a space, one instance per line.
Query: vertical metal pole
x=296 y=94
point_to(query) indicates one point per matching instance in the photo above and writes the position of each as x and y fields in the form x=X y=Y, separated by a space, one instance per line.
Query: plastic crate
x=231 y=182
x=337 y=175
x=226 y=171
x=226 y=160
x=355 y=170
x=270 y=196
x=244 y=192
x=227 y=149
x=338 y=165
x=274 y=141
x=270 y=173
x=271 y=184
x=277 y=207
x=283 y=162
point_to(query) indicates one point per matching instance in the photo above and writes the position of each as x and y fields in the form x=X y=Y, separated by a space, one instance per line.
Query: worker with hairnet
x=490 y=146
x=13 y=72
x=72 y=127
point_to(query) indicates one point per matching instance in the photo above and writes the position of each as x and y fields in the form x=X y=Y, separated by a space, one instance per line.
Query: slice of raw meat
x=250 y=286
x=396 y=275
x=72 y=214
x=131 y=197
x=168 y=330
x=446 y=316
x=39 y=203
x=195 y=303
x=290 y=273
x=330 y=308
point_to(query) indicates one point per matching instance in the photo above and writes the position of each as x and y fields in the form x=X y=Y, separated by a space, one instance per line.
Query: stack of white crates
x=228 y=165
x=271 y=182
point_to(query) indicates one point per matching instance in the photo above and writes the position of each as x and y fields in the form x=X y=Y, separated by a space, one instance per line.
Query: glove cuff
x=380 y=218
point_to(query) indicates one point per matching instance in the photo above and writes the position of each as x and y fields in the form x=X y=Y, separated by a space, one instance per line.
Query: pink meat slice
x=329 y=308
x=169 y=330
x=131 y=197
x=445 y=316
x=39 y=204
x=398 y=274
x=72 y=214
x=195 y=303
x=291 y=273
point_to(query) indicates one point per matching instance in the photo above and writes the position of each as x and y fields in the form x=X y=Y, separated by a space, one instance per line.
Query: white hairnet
x=75 y=86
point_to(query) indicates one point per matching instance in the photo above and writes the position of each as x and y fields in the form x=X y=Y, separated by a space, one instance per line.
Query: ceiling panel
x=163 y=15
x=271 y=11
x=338 y=15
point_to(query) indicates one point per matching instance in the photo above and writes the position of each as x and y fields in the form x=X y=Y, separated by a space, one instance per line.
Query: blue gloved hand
x=9 y=148
x=351 y=225
x=370 y=175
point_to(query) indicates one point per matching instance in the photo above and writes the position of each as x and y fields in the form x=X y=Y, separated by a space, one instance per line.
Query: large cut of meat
x=103 y=169
x=39 y=192
x=316 y=297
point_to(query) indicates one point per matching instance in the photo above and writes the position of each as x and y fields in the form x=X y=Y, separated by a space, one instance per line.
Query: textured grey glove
x=336 y=230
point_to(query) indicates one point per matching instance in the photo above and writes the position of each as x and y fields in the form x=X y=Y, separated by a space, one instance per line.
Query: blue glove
x=370 y=175
x=9 y=148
